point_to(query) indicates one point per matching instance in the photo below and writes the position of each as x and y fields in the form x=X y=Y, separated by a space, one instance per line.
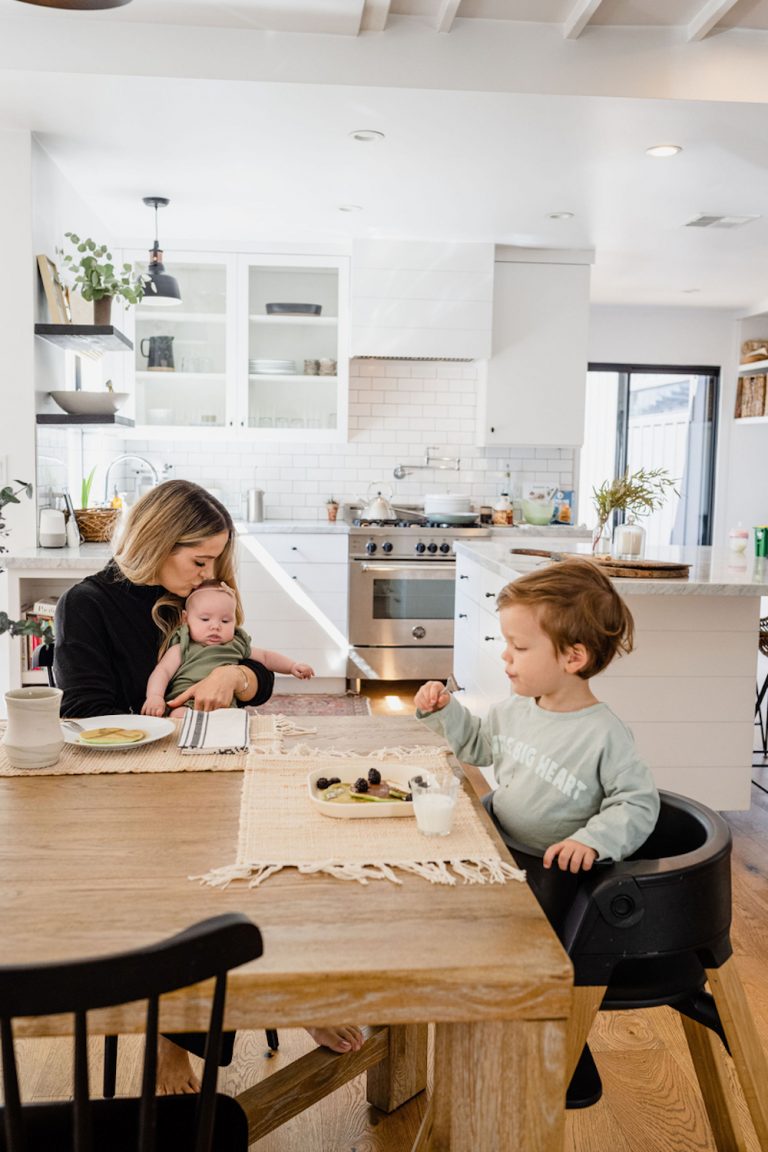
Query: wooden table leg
x=403 y=1072
x=708 y=1057
x=743 y=1041
x=499 y=1085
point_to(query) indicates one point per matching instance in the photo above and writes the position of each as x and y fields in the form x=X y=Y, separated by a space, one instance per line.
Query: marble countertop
x=714 y=571
x=86 y=558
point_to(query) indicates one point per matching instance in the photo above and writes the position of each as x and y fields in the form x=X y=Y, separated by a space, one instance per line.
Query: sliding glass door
x=640 y=416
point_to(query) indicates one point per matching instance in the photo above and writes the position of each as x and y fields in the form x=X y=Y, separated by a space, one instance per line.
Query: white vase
x=33 y=736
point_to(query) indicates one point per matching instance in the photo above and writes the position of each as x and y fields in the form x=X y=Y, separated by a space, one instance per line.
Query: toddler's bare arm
x=166 y=668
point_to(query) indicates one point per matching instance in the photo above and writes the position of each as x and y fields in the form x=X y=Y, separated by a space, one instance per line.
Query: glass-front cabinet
x=184 y=353
x=293 y=334
x=257 y=346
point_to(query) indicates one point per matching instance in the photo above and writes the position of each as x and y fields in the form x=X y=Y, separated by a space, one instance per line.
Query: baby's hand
x=153 y=706
x=302 y=671
x=571 y=855
x=431 y=697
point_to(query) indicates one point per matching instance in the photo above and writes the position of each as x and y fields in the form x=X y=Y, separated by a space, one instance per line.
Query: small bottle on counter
x=502 y=512
x=72 y=532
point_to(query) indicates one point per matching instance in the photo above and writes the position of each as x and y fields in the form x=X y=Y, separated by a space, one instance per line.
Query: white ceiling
x=496 y=113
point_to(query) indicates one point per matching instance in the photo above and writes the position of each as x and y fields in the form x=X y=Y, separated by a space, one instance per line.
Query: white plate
x=399 y=774
x=156 y=727
x=455 y=518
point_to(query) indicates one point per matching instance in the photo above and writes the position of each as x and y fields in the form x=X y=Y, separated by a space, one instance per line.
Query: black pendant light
x=161 y=288
x=78 y=5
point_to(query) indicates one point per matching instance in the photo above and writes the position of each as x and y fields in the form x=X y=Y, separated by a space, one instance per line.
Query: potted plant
x=96 y=524
x=635 y=494
x=19 y=627
x=91 y=269
x=332 y=507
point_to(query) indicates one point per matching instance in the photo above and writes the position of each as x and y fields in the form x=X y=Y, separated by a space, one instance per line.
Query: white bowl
x=90 y=403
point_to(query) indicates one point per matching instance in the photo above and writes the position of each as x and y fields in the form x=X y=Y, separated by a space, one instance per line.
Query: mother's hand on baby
x=215 y=691
x=571 y=855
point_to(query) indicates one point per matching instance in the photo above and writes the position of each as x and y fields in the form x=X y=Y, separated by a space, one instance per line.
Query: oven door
x=401 y=603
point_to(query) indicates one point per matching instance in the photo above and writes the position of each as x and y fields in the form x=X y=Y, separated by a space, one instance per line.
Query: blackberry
x=335 y=780
x=361 y=785
x=321 y=783
x=374 y=776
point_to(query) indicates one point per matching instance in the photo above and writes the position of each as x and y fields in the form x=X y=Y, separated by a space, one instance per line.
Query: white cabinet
x=478 y=644
x=294 y=591
x=421 y=299
x=533 y=388
x=221 y=363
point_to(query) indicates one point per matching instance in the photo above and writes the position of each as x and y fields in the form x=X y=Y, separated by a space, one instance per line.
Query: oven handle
x=416 y=566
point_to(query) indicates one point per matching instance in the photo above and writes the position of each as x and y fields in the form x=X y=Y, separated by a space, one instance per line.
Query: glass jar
x=628 y=541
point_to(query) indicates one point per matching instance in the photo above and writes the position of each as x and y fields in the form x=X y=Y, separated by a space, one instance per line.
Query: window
x=654 y=417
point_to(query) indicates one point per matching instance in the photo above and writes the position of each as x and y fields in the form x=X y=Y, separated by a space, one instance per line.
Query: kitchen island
x=687 y=690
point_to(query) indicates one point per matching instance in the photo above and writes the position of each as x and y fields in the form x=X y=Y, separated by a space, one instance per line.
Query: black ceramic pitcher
x=160 y=354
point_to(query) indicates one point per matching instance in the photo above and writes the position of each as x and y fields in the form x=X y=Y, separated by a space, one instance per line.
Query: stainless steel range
x=401 y=598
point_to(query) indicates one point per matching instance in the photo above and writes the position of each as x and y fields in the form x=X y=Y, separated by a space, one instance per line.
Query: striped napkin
x=224 y=731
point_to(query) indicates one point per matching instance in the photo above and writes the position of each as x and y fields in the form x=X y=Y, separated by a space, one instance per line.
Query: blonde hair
x=575 y=603
x=173 y=515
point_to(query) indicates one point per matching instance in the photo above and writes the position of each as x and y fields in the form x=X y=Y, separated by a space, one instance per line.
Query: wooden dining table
x=91 y=864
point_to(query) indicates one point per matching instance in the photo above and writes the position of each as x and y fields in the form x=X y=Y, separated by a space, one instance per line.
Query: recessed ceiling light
x=663 y=150
x=367 y=135
x=560 y=215
x=350 y=207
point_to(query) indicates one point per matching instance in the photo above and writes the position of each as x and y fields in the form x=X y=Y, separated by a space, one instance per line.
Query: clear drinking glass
x=434 y=802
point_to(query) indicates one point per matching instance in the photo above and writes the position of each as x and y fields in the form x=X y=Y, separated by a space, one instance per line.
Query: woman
x=112 y=626
x=110 y=629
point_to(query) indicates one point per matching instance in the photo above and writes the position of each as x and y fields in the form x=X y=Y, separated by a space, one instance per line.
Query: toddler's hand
x=431 y=697
x=302 y=671
x=572 y=856
x=153 y=706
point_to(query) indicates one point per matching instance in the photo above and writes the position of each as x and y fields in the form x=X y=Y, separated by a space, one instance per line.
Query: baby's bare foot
x=346 y=1038
x=174 y=1070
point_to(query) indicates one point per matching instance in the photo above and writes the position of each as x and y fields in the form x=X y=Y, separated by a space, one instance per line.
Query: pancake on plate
x=112 y=736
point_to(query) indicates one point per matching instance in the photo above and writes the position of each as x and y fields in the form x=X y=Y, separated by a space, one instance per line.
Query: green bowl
x=538 y=511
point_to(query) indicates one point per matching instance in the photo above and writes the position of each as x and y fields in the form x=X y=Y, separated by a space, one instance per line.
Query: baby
x=571 y=788
x=207 y=639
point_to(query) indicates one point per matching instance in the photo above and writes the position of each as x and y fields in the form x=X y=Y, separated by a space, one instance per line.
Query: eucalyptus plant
x=9 y=495
x=636 y=494
x=92 y=271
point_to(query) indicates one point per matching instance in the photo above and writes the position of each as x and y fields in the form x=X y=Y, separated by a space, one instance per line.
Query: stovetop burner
x=411 y=522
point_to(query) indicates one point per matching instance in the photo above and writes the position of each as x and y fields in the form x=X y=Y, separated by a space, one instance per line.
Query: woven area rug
x=281 y=828
x=315 y=704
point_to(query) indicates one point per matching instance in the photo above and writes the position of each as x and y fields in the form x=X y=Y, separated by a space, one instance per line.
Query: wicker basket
x=96 y=524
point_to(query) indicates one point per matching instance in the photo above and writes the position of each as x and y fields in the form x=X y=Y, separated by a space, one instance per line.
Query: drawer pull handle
x=490 y=595
x=491 y=637
x=462 y=577
x=462 y=615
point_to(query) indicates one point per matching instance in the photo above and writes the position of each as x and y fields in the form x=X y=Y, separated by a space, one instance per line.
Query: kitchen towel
x=281 y=828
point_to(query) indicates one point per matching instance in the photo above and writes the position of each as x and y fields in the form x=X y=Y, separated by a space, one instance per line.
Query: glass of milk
x=434 y=801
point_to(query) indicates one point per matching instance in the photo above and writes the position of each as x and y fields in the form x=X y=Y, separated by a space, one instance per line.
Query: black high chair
x=653 y=930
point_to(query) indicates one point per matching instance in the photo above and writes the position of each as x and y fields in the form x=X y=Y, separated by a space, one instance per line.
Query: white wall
x=703 y=338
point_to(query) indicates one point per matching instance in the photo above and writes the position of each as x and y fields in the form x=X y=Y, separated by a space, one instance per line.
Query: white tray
x=399 y=774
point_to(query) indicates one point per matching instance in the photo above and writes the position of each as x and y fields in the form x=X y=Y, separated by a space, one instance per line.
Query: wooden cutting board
x=636 y=569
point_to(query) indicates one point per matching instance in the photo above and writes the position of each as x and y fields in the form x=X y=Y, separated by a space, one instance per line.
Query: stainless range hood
x=421 y=300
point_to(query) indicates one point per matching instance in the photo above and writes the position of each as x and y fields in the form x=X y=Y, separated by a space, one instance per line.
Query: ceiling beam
x=580 y=15
x=446 y=14
x=374 y=15
x=707 y=17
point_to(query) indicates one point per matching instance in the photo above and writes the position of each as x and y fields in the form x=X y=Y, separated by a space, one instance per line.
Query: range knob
x=386 y=546
x=370 y=547
x=421 y=547
x=444 y=548
x=432 y=548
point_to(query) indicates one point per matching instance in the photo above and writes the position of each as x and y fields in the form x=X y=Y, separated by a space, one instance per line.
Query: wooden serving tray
x=636 y=569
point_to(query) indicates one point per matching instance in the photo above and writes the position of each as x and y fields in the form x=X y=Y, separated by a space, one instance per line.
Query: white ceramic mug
x=33 y=736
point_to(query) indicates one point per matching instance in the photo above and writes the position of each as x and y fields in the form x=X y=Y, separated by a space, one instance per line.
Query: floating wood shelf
x=113 y=420
x=88 y=339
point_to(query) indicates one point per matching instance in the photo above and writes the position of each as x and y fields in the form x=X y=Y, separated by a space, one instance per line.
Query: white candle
x=630 y=542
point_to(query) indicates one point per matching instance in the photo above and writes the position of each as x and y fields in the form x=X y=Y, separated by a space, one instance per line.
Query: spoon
x=73 y=724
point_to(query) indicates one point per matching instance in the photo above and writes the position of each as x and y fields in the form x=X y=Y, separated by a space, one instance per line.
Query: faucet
x=129 y=456
x=453 y=463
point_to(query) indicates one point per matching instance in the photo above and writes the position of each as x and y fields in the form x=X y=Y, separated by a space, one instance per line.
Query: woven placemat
x=265 y=733
x=281 y=828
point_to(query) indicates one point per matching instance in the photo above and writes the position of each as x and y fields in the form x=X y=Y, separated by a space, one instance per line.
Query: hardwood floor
x=650 y=1103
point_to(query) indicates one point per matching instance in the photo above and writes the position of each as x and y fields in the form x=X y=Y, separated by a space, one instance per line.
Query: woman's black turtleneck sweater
x=107 y=645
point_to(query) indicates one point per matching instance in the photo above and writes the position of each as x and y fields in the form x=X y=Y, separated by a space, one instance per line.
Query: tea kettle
x=160 y=354
x=378 y=507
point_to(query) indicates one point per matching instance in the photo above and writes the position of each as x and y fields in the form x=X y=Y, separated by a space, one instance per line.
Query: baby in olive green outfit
x=208 y=638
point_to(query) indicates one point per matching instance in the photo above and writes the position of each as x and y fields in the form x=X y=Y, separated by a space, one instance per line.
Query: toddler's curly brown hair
x=576 y=603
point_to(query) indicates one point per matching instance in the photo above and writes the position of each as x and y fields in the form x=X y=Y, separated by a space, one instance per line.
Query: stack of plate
x=272 y=367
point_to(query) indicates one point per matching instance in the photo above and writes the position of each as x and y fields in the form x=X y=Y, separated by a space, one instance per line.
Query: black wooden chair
x=204 y=1122
x=655 y=929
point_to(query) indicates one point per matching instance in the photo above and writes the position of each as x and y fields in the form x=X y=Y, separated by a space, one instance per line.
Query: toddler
x=206 y=639
x=570 y=786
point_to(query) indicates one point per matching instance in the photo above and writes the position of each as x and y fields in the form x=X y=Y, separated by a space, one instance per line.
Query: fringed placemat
x=281 y=828
x=265 y=733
